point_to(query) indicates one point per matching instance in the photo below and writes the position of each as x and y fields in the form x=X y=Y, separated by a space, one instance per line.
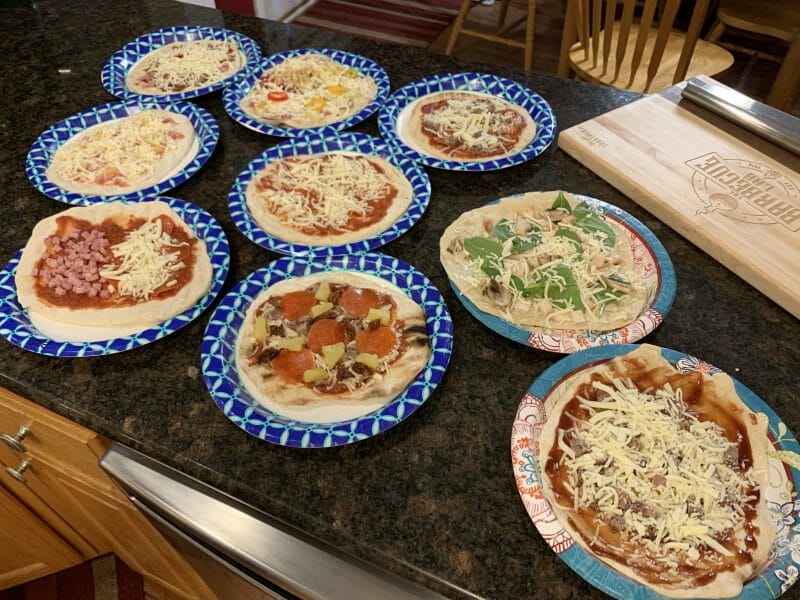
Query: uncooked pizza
x=469 y=126
x=185 y=66
x=331 y=336
x=660 y=474
x=328 y=199
x=111 y=266
x=308 y=90
x=124 y=155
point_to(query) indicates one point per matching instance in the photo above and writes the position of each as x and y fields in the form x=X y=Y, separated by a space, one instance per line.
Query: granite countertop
x=433 y=499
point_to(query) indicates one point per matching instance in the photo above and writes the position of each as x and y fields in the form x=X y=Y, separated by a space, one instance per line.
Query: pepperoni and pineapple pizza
x=331 y=336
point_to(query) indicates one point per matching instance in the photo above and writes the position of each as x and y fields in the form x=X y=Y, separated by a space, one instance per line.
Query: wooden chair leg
x=503 y=12
x=459 y=23
x=530 y=26
x=568 y=37
x=786 y=83
x=716 y=32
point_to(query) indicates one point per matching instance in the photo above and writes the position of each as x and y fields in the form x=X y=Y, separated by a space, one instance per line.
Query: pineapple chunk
x=323 y=291
x=320 y=309
x=371 y=360
x=379 y=314
x=312 y=375
x=293 y=343
x=332 y=353
x=260 y=328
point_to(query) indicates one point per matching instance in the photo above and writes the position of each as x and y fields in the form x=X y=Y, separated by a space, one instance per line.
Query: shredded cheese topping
x=667 y=481
x=308 y=91
x=322 y=192
x=143 y=261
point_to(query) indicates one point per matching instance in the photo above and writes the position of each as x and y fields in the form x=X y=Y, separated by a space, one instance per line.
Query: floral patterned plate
x=781 y=568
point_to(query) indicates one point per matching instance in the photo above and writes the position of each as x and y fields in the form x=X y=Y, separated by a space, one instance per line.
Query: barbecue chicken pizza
x=111 y=266
x=124 y=155
x=308 y=90
x=545 y=260
x=469 y=126
x=185 y=66
x=660 y=474
x=331 y=336
x=328 y=199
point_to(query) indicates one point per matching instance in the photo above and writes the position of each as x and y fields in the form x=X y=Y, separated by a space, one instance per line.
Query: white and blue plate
x=42 y=151
x=359 y=143
x=17 y=328
x=121 y=62
x=242 y=86
x=233 y=399
x=399 y=104
x=782 y=566
x=651 y=262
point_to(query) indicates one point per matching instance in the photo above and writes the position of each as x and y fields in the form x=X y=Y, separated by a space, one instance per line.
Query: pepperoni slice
x=358 y=301
x=290 y=365
x=378 y=341
x=296 y=304
x=324 y=333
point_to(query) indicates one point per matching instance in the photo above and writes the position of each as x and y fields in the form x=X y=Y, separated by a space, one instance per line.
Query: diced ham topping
x=73 y=262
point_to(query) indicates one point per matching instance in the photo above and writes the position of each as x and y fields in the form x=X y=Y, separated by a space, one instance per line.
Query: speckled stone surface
x=433 y=499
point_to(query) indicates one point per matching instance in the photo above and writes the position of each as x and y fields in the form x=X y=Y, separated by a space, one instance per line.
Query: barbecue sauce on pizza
x=608 y=540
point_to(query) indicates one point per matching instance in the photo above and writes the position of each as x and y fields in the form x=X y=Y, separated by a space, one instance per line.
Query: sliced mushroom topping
x=732 y=456
x=495 y=292
x=622 y=286
x=522 y=226
x=556 y=214
x=644 y=509
x=455 y=246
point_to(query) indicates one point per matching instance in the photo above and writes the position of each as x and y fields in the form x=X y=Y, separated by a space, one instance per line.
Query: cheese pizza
x=328 y=199
x=339 y=336
x=185 y=66
x=112 y=266
x=308 y=90
x=124 y=155
x=469 y=126
x=660 y=474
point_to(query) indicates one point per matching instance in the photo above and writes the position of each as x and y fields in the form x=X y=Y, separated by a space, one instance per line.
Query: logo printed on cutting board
x=746 y=191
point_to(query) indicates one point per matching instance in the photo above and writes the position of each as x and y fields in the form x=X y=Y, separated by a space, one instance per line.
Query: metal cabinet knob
x=18 y=472
x=15 y=443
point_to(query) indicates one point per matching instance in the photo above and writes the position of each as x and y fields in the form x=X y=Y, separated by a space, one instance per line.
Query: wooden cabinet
x=79 y=510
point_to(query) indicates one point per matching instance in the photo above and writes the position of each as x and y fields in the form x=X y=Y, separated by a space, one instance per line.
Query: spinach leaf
x=517 y=283
x=593 y=223
x=607 y=295
x=503 y=229
x=572 y=237
x=488 y=251
x=522 y=243
x=560 y=296
x=562 y=202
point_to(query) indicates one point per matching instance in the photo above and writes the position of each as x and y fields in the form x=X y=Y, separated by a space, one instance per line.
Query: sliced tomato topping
x=378 y=341
x=358 y=301
x=290 y=365
x=296 y=304
x=278 y=96
x=324 y=333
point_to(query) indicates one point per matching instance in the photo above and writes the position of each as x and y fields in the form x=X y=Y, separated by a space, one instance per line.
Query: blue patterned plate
x=219 y=354
x=316 y=144
x=651 y=262
x=781 y=568
x=242 y=86
x=47 y=144
x=399 y=103
x=122 y=61
x=17 y=328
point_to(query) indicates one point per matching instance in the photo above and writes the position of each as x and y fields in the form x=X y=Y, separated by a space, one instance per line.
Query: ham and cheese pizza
x=328 y=199
x=308 y=90
x=660 y=474
x=110 y=267
x=469 y=126
x=335 y=336
x=124 y=155
x=185 y=66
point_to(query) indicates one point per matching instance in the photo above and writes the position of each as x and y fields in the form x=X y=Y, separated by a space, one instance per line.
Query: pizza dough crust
x=276 y=228
x=725 y=584
x=263 y=383
x=144 y=314
x=421 y=141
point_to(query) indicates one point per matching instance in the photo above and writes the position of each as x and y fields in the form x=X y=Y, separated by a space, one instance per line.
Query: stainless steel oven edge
x=279 y=560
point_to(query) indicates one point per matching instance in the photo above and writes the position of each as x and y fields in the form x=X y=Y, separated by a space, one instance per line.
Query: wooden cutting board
x=730 y=192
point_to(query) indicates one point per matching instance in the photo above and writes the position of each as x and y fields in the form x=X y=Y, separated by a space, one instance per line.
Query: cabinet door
x=28 y=548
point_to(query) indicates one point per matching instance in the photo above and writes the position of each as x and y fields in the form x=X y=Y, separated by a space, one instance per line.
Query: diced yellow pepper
x=332 y=353
x=320 y=309
x=317 y=104
x=337 y=90
x=312 y=375
x=378 y=314
x=371 y=360
x=323 y=291
x=260 y=328
x=293 y=343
